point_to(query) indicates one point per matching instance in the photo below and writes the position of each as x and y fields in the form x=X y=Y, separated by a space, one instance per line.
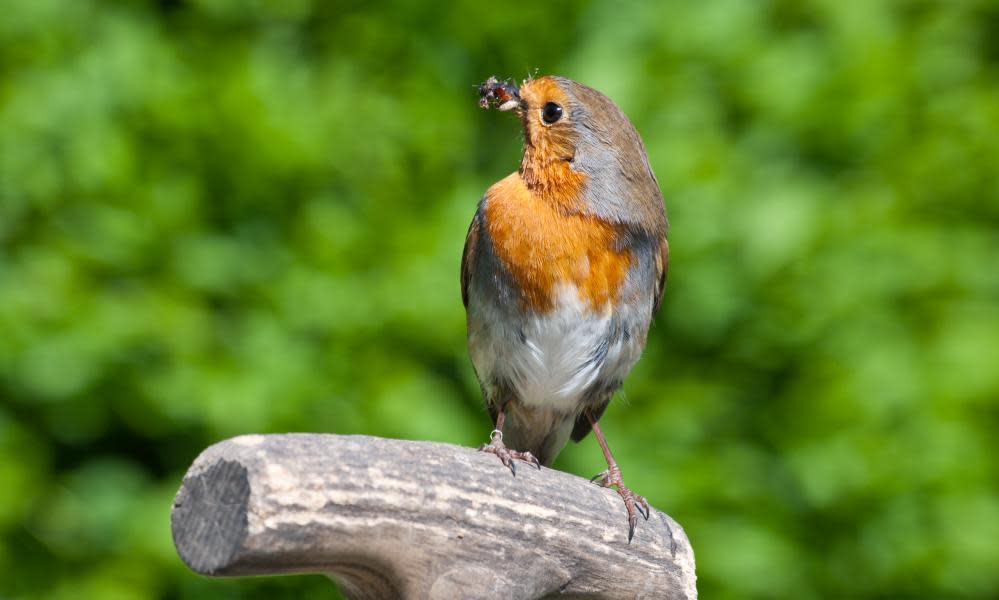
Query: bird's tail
x=539 y=432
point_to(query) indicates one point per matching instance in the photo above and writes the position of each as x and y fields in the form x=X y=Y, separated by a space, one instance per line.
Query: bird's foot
x=506 y=455
x=634 y=503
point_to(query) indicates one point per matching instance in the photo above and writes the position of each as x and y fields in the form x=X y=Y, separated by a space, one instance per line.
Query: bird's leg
x=506 y=455
x=612 y=478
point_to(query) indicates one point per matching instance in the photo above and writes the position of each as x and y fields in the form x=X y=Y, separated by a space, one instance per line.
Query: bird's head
x=579 y=148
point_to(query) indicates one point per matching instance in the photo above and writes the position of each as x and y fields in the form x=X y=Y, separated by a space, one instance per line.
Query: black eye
x=551 y=112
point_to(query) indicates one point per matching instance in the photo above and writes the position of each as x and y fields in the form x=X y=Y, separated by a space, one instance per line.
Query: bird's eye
x=551 y=112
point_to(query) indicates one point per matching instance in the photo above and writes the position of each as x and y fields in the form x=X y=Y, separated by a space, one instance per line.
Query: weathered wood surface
x=401 y=519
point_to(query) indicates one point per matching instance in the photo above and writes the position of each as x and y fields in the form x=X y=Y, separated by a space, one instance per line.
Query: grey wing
x=582 y=426
x=662 y=266
x=467 y=264
x=468 y=255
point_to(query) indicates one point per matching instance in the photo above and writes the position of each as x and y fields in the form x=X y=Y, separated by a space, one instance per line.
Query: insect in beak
x=504 y=95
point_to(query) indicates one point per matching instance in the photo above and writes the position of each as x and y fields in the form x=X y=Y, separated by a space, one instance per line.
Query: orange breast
x=544 y=246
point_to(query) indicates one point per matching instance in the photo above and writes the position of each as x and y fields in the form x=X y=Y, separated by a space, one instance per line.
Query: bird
x=562 y=272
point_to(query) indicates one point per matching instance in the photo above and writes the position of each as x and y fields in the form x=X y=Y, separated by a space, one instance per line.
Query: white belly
x=552 y=360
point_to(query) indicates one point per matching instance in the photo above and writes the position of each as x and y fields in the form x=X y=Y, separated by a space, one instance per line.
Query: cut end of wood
x=209 y=517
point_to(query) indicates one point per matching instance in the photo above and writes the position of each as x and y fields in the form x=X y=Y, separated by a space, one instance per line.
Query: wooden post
x=400 y=519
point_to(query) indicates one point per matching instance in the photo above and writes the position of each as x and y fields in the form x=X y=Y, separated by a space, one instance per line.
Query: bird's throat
x=553 y=181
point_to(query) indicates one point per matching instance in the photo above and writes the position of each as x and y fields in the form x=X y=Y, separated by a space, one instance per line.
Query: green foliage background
x=220 y=217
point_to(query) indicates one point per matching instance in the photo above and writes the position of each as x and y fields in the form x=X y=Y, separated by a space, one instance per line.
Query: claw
x=643 y=504
x=633 y=503
x=508 y=457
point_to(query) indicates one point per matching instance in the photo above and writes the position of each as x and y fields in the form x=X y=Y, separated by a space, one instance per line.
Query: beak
x=504 y=95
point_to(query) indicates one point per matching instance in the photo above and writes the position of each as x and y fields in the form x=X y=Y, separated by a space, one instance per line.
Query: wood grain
x=400 y=519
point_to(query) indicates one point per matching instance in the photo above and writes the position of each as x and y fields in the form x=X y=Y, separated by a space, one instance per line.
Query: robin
x=563 y=269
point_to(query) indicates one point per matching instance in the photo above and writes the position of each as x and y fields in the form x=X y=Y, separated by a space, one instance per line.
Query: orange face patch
x=543 y=246
x=548 y=147
x=554 y=140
